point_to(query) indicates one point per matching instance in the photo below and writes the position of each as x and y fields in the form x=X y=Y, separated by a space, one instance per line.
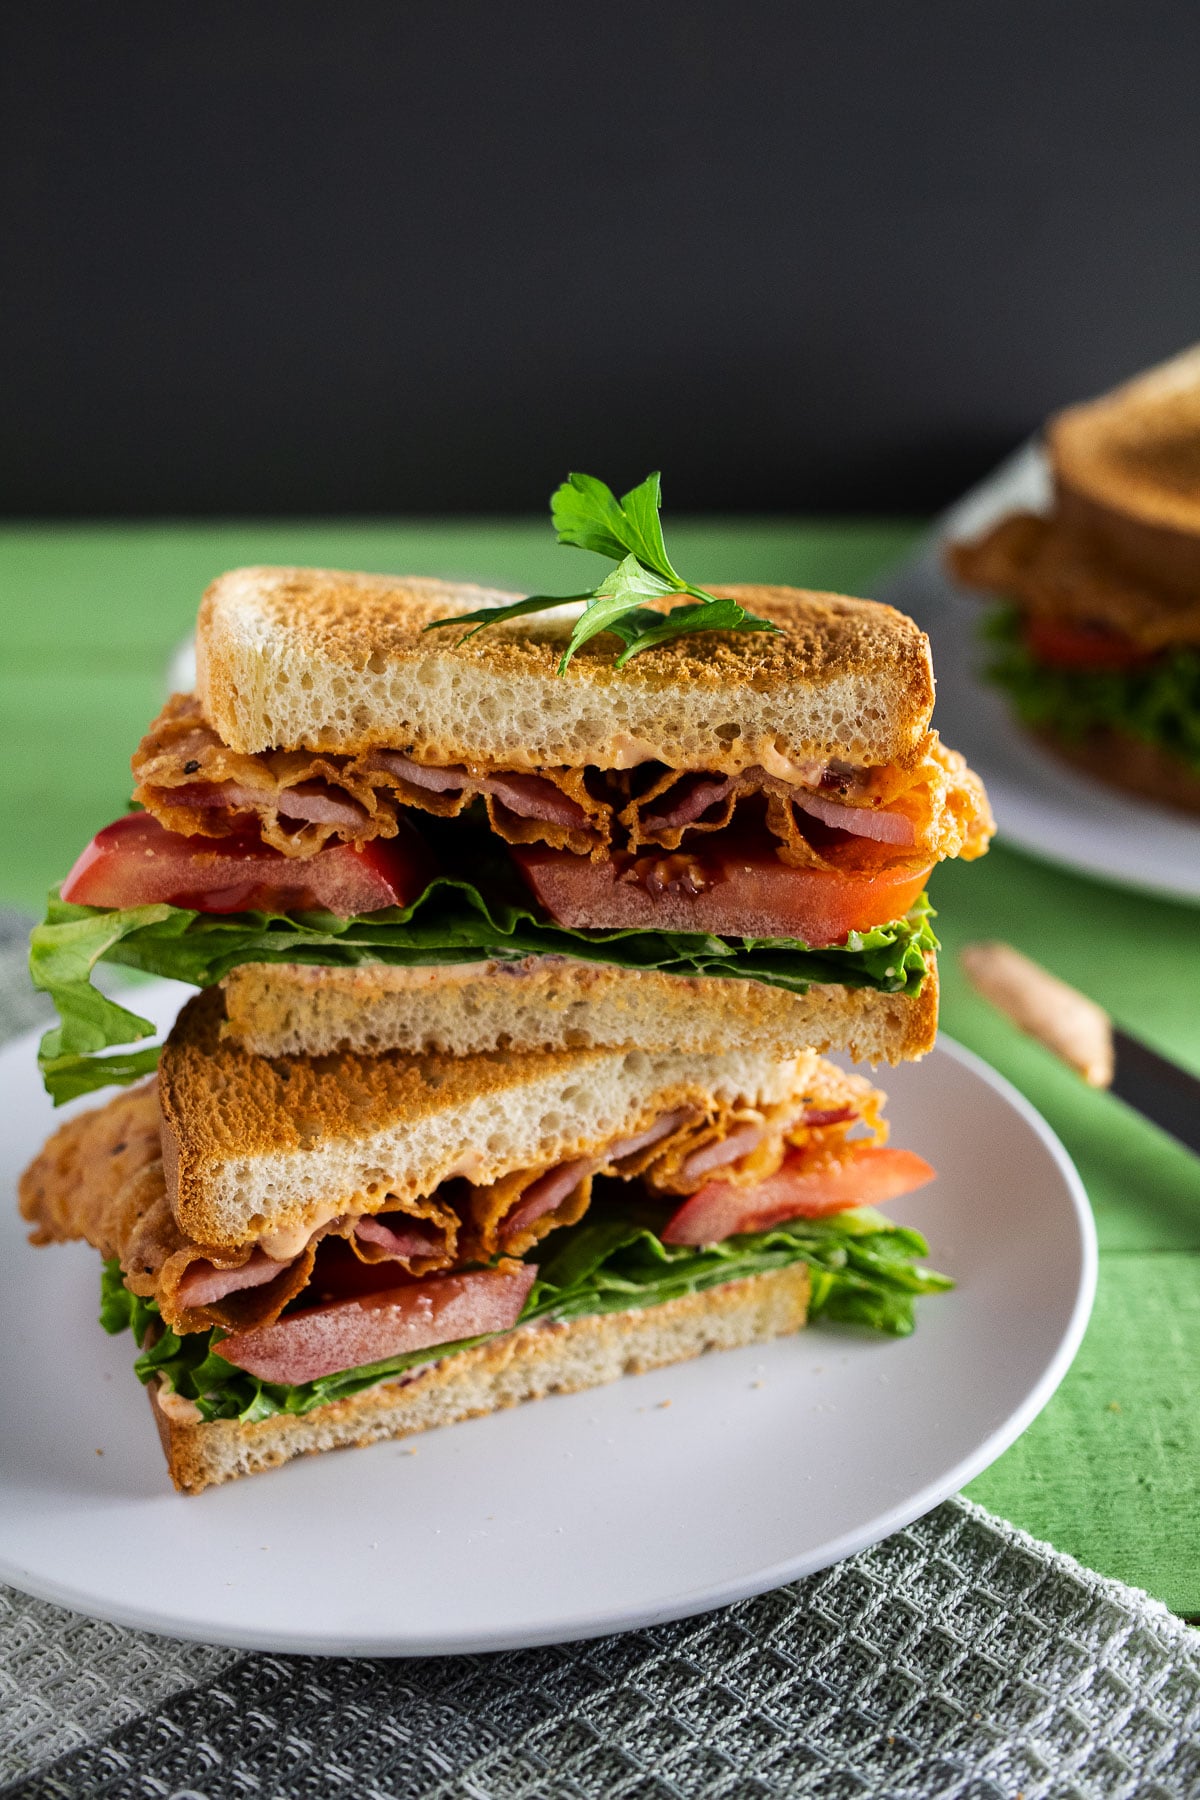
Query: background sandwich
x=349 y=790
x=316 y=1253
x=1099 y=647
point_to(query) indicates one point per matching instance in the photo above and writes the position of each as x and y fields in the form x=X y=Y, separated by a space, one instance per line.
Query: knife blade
x=1156 y=1087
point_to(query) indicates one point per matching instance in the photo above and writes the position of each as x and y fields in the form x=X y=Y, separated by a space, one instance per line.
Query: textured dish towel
x=958 y=1660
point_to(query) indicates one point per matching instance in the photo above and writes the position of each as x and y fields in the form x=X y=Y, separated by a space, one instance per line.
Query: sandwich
x=376 y=833
x=321 y=1251
x=1098 y=643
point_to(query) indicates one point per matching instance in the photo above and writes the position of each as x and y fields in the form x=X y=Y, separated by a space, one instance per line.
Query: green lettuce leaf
x=1159 y=703
x=863 y=1270
x=452 y=921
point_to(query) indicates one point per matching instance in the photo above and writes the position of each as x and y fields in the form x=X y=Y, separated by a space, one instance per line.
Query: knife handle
x=1082 y=1035
x=1070 y=1025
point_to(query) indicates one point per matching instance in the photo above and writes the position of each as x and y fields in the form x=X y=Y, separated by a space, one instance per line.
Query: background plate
x=1041 y=805
x=659 y=1496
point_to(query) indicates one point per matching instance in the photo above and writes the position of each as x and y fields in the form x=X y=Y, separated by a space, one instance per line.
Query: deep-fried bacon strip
x=299 y=800
x=748 y=1144
x=101 y=1178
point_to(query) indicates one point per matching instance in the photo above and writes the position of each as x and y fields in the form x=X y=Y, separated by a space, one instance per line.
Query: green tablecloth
x=1111 y=1470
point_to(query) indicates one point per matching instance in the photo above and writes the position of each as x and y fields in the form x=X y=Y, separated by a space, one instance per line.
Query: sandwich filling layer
x=345 y=818
x=929 y=805
x=452 y=920
x=1100 y=657
x=690 y=1197
x=102 y=1177
x=862 y=1271
x=1078 y=686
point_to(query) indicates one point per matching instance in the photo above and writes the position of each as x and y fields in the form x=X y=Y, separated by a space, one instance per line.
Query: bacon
x=322 y=805
x=533 y=797
x=349 y=1334
x=699 y=792
x=204 y=1284
x=653 y=1134
x=193 y=783
x=400 y=1237
x=746 y=1138
x=313 y=801
x=529 y=796
x=862 y=821
x=547 y=1192
x=725 y=1150
x=450 y=779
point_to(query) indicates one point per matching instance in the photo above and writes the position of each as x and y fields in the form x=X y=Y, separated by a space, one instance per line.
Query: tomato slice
x=138 y=862
x=1065 y=646
x=802 y=1188
x=733 y=891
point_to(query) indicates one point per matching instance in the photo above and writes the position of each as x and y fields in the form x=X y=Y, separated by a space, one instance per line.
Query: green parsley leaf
x=496 y=615
x=618 y=595
x=644 y=629
x=588 y=515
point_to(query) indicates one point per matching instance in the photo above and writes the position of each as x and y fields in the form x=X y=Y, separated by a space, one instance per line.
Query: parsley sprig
x=587 y=514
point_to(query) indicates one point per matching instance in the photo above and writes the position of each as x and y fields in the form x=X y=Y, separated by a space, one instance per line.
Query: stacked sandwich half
x=506 y=1075
x=1098 y=646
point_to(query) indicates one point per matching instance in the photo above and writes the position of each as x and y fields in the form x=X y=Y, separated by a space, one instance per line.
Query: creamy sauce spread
x=800 y=774
x=174 y=1406
x=287 y=1241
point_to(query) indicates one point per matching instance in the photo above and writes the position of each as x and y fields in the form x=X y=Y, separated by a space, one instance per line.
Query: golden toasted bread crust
x=325 y=660
x=549 y=1003
x=267 y=1150
x=526 y=1364
x=1128 y=463
x=1054 y=573
x=1122 y=547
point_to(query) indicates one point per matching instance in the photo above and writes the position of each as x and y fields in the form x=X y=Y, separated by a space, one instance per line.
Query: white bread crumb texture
x=553 y=1118
x=558 y=1004
x=285 y=661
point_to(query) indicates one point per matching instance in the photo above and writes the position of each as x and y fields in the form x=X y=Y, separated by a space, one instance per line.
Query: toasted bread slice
x=561 y=1003
x=318 y=659
x=269 y=1150
x=526 y=1364
x=1127 y=473
x=1055 y=573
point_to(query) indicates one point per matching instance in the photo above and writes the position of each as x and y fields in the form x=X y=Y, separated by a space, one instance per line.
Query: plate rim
x=710 y=1597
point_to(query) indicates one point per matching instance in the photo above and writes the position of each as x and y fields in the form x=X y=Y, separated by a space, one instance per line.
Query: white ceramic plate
x=657 y=1497
x=1041 y=804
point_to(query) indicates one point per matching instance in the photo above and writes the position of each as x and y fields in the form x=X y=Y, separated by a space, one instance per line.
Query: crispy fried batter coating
x=194 y=785
x=1056 y=574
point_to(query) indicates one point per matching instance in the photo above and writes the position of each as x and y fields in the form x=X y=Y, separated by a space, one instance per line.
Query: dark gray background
x=429 y=254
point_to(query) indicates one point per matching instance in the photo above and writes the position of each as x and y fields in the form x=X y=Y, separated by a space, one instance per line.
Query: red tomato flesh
x=800 y=1189
x=137 y=862
x=733 y=891
x=1082 y=647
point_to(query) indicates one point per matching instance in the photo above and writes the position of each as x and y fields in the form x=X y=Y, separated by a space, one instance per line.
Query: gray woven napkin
x=957 y=1660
